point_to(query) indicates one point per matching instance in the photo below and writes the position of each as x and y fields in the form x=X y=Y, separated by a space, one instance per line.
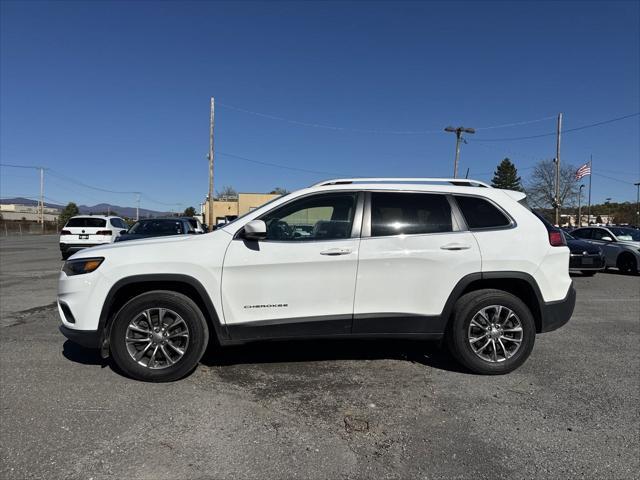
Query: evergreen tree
x=506 y=176
x=189 y=212
x=69 y=211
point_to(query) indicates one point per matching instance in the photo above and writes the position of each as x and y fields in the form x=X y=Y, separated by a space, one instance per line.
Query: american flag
x=583 y=171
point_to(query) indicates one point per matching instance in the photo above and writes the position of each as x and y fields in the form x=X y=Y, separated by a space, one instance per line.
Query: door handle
x=336 y=251
x=455 y=246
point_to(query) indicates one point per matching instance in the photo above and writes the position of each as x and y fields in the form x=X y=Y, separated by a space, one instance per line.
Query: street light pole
x=580 y=205
x=458 y=131
x=608 y=204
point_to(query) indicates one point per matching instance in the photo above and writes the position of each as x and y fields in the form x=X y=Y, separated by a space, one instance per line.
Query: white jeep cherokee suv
x=409 y=258
x=84 y=231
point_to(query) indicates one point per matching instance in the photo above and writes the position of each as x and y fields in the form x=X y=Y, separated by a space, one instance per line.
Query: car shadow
x=86 y=356
x=618 y=272
x=430 y=354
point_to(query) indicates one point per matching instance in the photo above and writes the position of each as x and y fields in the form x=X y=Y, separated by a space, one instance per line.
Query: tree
x=67 y=212
x=227 y=192
x=541 y=189
x=506 y=176
x=189 y=212
x=279 y=191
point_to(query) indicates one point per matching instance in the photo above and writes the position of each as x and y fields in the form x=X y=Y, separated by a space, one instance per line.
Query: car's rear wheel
x=491 y=332
x=158 y=336
x=588 y=273
x=626 y=263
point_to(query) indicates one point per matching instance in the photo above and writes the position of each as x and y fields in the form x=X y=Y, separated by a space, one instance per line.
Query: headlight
x=81 y=265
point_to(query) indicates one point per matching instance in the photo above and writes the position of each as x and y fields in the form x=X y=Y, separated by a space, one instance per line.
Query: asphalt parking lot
x=377 y=409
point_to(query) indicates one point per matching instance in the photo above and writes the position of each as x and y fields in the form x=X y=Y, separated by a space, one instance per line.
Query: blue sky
x=116 y=94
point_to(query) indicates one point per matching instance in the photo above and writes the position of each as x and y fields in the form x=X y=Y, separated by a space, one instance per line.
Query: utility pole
x=608 y=204
x=590 y=177
x=580 y=206
x=557 y=161
x=637 y=205
x=211 y=124
x=42 y=197
x=137 y=207
x=458 y=131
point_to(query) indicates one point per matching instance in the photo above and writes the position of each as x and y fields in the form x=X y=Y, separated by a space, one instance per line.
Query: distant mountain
x=95 y=209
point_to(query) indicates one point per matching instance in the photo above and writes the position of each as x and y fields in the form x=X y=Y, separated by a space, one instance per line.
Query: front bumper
x=586 y=262
x=76 y=247
x=555 y=314
x=86 y=338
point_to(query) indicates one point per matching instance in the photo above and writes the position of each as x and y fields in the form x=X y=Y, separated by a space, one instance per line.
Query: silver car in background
x=621 y=245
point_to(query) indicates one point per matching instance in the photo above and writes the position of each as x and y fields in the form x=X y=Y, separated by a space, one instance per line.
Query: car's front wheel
x=626 y=263
x=158 y=336
x=492 y=332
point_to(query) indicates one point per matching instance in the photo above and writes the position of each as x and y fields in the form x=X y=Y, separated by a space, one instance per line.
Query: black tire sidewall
x=627 y=263
x=466 y=307
x=183 y=306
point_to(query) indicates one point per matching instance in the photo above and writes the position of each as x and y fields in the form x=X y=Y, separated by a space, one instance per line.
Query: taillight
x=103 y=232
x=556 y=239
x=65 y=232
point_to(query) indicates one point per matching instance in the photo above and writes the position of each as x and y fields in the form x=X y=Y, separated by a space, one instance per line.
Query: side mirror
x=255 y=230
x=607 y=239
x=122 y=232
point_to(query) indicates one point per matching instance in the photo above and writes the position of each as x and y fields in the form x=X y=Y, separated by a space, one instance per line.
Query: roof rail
x=463 y=182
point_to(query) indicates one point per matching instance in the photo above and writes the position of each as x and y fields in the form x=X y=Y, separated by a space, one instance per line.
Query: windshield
x=251 y=211
x=157 y=227
x=626 y=233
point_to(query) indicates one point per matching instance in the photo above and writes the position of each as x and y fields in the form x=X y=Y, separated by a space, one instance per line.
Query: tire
x=467 y=308
x=588 y=273
x=188 y=334
x=626 y=263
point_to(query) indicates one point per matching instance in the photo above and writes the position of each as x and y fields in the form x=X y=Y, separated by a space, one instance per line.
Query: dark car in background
x=621 y=245
x=585 y=257
x=157 y=227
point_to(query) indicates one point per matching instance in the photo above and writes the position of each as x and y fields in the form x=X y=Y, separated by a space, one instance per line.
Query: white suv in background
x=407 y=258
x=85 y=231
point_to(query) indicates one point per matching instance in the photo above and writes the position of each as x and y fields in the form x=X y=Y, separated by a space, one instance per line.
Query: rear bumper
x=555 y=314
x=86 y=338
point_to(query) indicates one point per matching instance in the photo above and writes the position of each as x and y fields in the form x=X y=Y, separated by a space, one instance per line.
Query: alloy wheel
x=495 y=333
x=157 y=338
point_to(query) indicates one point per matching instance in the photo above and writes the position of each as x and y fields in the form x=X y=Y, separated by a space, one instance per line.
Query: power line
x=77 y=182
x=286 y=167
x=366 y=130
x=517 y=124
x=583 y=127
x=19 y=166
x=611 y=178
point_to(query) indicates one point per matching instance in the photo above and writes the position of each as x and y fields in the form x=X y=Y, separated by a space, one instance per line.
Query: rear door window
x=89 y=222
x=480 y=213
x=582 y=233
x=409 y=213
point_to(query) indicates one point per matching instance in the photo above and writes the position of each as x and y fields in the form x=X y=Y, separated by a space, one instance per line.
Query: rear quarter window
x=480 y=213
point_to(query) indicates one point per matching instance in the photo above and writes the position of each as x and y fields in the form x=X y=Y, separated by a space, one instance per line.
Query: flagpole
x=590 y=176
